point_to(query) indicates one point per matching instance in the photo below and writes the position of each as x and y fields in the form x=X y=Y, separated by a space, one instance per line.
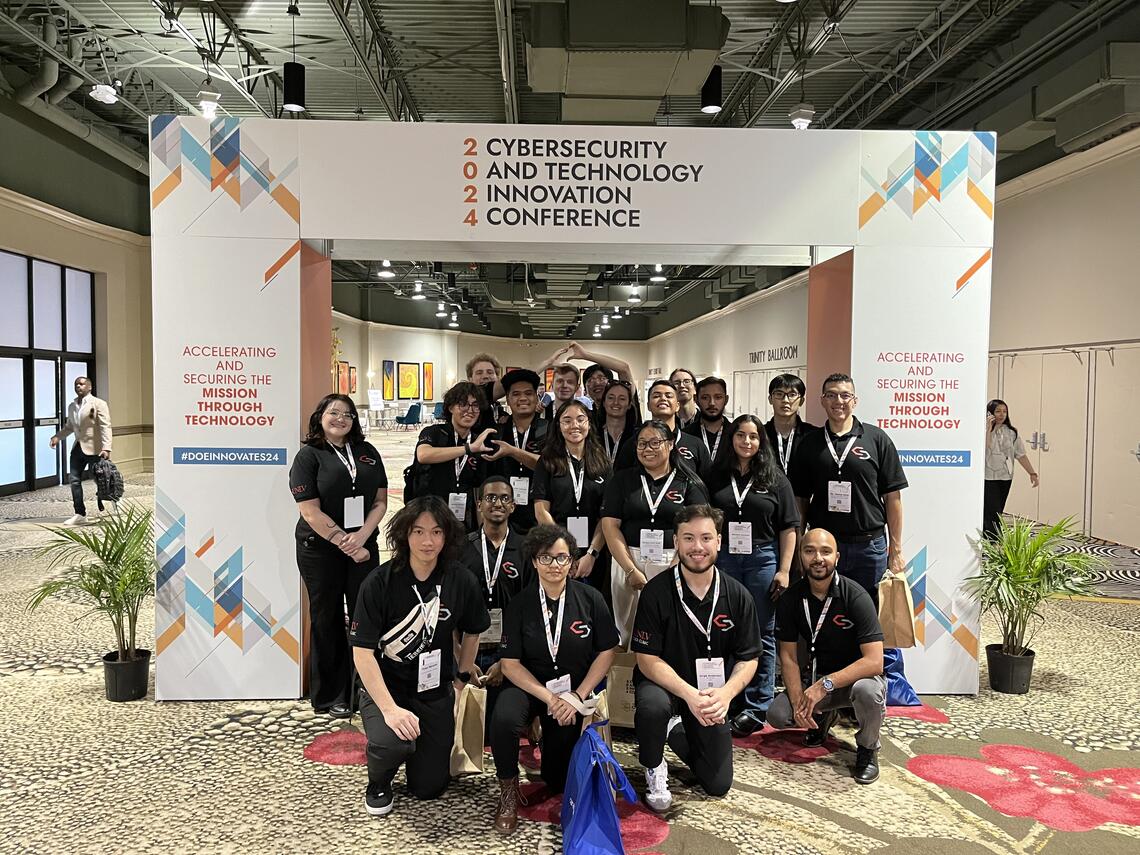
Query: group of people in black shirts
x=545 y=538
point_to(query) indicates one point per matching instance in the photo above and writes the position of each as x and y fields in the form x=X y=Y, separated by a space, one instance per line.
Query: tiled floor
x=78 y=774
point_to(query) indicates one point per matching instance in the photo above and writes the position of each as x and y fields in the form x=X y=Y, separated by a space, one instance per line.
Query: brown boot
x=507 y=815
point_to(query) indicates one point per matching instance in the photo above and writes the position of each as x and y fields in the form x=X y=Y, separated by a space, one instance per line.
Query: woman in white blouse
x=1003 y=446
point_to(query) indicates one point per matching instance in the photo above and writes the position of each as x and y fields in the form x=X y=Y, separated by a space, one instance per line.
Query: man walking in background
x=89 y=420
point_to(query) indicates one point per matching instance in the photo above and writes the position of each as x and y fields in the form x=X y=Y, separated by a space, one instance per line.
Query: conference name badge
x=559 y=685
x=579 y=528
x=353 y=511
x=653 y=545
x=457 y=502
x=710 y=673
x=839 y=497
x=429 y=671
x=494 y=633
x=740 y=538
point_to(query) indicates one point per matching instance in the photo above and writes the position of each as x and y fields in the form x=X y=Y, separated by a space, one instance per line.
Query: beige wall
x=523 y=353
x=120 y=261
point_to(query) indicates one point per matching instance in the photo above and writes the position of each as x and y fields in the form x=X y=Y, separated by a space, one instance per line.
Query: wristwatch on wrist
x=593 y=553
x=828 y=686
x=464 y=676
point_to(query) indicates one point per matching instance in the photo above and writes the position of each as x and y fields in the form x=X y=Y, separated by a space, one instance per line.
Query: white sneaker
x=75 y=519
x=657 y=794
x=110 y=508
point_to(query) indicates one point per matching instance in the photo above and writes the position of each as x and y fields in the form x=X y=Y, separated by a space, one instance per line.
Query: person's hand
x=351 y=543
x=990 y=421
x=502 y=449
x=361 y=555
x=576 y=350
x=479 y=446
x=584 y=567
x=1034 y=479
x=54 y=442
x=403 y=723
x=714 y=705
x=458 y=685
x=494 y=676
x=560 y=711
x=812 y=695
x=695 y=700
x=637 y=580
x=106 y=455
x=896 y=564
x=779 y=585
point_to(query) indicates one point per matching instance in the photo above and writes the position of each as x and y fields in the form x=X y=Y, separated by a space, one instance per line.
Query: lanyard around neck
x=839 y=461
x=429 y=633
x=492 y=577
x=818 y=627
x=785 y=448
x=611 y=444
x=552 y=641
x=578 y=481
x=716 y=445
x=654 y=505
x=705 y=629
x=739 y=495
x=460 y=462
x=348 y=460
x=526 y=434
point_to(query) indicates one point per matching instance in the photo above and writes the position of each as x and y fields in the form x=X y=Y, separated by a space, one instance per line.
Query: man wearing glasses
x=786 y=429
x=848 y=479
x=685 y=382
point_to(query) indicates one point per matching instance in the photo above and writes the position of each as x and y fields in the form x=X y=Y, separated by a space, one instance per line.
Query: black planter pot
x=126 y=681
x=1009 y=674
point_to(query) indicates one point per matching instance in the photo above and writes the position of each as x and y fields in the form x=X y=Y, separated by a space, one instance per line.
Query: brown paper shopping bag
x=896 y=611
x=467 y=752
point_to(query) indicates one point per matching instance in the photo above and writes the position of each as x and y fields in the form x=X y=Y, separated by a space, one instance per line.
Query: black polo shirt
x=522 y=518
x=386 y=601
x=689 y=448
x=770 y=511
x=559 y=491
x=587 y=630
x=708 y=441
x=873 y=468
x=801 y=430
x=662 y=628
x=851 y=620
x=319 y=472
x=513 y=574
x=441 y=479
x=625 y=501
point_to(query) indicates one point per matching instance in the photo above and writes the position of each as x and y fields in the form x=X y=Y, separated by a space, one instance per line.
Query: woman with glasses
x=757 y=545
x=568 y=486
x=451 y=457
x=637 y=517
x=558 y=643
x=341 y=489
x=617 y=420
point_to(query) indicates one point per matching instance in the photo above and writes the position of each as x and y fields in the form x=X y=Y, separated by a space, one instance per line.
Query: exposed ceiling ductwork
x=46 y=74
x=614 y=62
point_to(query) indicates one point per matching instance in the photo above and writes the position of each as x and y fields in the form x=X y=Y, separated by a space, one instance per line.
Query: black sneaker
x=744 y=725
x=866 y=769
x=816 y=736
x=378 y=800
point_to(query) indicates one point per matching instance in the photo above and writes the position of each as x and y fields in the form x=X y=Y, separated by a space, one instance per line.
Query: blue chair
x=410 y=418
x=438 y=414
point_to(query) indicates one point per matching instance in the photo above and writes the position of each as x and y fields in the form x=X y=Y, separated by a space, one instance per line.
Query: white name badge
x=429 y=671
x=494 y=633
x=579 y=528
x=458 y=504
x=839 y=497
x=653 y=544
x=710 y=673
x=521 y=489
x=559 y=685
x=353 y=511
x=740 y=538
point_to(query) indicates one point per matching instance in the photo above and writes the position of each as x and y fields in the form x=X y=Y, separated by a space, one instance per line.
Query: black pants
x=514 y=711
x=707 y=751
x=77 y=464
x=427 y=760
x=333 y=581
x=993 y=504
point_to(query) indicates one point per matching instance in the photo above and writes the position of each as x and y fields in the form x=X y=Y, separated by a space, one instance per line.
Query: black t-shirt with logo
x=851 y=620
x=387 y=608
x=872 y=467
x=708 y=438
x=625 y=501
x=587 y=630
x=522 y=518
x=662 y=628
x=441 y=479
x=513 y=575
x=770 y=511
x=319 y=472
x=689 y=448
x=613 y=449
x=801 y=430
x=559 y=491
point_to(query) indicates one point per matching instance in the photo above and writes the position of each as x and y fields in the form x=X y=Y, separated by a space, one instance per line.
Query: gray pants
x=868 y=697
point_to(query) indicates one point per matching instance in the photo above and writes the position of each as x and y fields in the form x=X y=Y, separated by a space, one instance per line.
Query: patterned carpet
x=1055 y=771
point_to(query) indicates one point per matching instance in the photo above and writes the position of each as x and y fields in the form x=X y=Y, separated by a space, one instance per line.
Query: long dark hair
x=553 y=455
x=675 y=460
x=400 y=526
x=998 y=402
x=316 y=434
x=762 y=467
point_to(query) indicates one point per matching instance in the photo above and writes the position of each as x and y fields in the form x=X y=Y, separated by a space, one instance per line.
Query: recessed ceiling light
x=441 y=312
x=657 y=276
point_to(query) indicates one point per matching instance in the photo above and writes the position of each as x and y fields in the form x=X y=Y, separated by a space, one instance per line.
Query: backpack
x=413 y=481
x=108 y=481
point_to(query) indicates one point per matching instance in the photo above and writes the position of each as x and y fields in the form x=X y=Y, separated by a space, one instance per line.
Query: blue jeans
x=755 y=572
x=864 y=563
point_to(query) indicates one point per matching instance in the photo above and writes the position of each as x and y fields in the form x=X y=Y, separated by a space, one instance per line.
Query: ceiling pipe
x=46 y=74
x=70 y=81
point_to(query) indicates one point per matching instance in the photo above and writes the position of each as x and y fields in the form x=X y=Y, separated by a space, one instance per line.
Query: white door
x=993 y=377
x=1064 y=427
x=1022 y=392
x=758 y=398
x=1116 y=443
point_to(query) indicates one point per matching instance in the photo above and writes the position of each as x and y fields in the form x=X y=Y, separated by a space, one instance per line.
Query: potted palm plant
x=1020 y=569
x=109 y=566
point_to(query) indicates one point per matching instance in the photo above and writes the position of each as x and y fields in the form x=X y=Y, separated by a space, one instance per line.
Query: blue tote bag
x=590 y=823
x=900 y=693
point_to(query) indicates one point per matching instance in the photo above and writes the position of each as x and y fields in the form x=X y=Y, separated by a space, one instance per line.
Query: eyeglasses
x=580 y=420
x=785 y=396
x=653 y=444
x=470 y=405
x=685 y=382
x=337 y=414
x=497 y=499
x=839 y=396
x=546 y=559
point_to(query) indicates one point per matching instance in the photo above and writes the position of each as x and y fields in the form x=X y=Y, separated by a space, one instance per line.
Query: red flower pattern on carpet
x=787 y=746
x=1020 y=781
x=640 y=827
x=343 y=747
x=531 y=757
x=919 y=713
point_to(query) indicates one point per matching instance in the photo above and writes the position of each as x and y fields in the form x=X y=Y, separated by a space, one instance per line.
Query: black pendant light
x=294 y=71
x=710 y=92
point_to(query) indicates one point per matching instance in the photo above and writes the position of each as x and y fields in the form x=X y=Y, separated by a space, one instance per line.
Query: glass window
x=14 y=299
x=71 y=370
x=47 y=306
x=11 y=455
x=78 y=310
x=12 y=392
x=47 y=458
x=45 y=389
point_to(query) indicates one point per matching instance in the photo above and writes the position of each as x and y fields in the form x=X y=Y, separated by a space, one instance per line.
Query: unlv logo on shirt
x=580 y=628
x=300 y=488
x=676 y=497
x=843 y=622
x=860 y=452
x=509 y=570
x=723 y=622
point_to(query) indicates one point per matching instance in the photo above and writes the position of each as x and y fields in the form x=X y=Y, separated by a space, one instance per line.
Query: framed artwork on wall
x=408 y=374
x=548 y=380
x=389 y=380
x=342 y=378
x=429 y=381
x=352 y=379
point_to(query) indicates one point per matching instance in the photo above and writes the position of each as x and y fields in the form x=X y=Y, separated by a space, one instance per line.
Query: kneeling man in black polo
x=837 y=619
x=697 y=643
